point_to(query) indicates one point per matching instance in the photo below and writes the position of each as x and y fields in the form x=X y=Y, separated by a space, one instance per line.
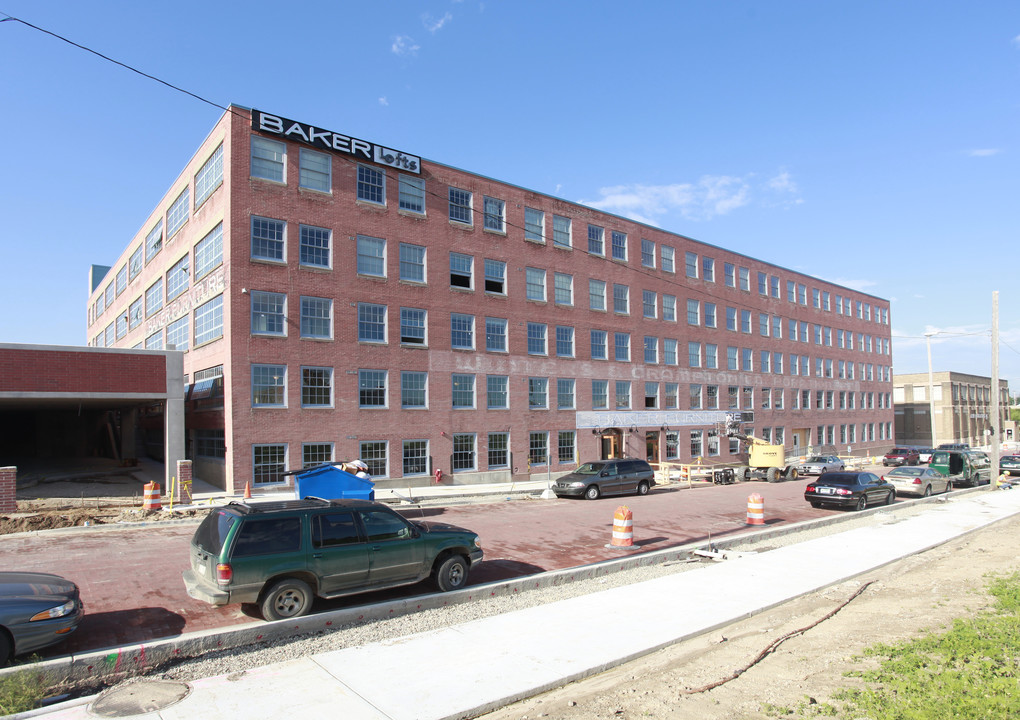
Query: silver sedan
x=919 y=480
x=818 y=464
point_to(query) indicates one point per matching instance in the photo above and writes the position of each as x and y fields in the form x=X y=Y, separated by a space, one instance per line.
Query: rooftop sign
x=334 y=142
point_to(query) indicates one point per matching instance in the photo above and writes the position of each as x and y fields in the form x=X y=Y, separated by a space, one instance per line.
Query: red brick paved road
x=131 y=584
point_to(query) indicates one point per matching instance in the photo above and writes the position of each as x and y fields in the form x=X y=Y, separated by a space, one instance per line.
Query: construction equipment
x=764 y=460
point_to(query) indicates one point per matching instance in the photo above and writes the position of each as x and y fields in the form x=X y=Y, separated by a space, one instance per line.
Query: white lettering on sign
x=327 y=140
x=208 y=288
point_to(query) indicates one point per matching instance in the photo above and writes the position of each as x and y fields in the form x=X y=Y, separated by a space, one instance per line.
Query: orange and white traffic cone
x=247 y=490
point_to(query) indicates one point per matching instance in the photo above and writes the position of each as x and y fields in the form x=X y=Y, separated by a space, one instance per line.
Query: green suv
x=281 y=554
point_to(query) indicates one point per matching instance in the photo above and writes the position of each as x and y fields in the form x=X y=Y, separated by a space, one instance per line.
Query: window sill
x=268 y=261
x=281 y=336
x=368 y=204
x=316 y=339
x=491 y=231
x=414 y=214
x=414 y=346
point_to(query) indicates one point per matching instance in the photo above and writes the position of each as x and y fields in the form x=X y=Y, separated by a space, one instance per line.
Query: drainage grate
x=136 y=697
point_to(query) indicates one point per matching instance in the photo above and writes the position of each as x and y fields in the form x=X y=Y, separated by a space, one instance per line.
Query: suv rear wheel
x=288 y=598
x=451 y=574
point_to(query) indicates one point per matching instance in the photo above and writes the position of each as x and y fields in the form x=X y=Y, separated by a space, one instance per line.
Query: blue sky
x=872 y=144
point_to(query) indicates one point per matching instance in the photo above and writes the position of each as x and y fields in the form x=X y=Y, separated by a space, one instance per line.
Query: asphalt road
x=130 y=576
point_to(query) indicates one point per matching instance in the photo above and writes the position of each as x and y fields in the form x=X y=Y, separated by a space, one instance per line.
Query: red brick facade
x=8 y=489
x=27 y=370
x=346 y=425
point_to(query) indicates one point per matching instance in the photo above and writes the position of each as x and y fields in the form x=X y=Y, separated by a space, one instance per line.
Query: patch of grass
x=970 y=670
x=20 y=692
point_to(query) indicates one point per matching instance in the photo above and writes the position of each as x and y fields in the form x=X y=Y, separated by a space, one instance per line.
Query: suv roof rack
x=265 y=506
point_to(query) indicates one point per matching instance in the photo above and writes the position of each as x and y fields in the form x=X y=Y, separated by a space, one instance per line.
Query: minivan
x=964 y=468
x=621 y=476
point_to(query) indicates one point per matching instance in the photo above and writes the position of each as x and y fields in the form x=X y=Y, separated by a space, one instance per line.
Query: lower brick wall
x=8 y=488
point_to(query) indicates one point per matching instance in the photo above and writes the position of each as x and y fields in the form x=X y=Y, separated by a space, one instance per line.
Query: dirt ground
x=88 y=499
x=906 y=598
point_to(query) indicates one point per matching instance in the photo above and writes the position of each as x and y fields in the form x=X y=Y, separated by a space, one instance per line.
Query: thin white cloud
x=983 y=152
x=1016 y=41
x=384 y=102
x=404 y=45
x=709 y=197
x=433 y=25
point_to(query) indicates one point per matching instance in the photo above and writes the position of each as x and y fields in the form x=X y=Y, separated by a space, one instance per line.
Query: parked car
x=36 y=610
x=901 y=456
x=849 y=489
x=963 y=467
x=918 y=481
x=818 y=464
x=1010 y=464
x=282 y=554
x=924 y=454
x=592 y=480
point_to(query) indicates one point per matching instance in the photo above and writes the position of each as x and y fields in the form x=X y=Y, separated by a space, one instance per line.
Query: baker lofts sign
x=334 y=142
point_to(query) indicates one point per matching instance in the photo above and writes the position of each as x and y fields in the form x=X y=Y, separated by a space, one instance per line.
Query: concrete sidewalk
x=466 y=670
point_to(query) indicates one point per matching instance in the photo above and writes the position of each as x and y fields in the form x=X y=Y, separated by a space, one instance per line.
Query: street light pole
x=931 y=390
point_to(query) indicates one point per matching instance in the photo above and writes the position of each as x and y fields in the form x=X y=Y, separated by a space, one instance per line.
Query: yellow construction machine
x=764 y=460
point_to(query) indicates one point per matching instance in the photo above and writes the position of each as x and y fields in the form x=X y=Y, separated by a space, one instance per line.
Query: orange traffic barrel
x=150 y=499
x=755 y=509
x=623 y=527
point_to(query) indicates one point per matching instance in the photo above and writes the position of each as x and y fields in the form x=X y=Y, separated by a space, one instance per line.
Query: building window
x=268 y=159
x=495 y=210
x=672 y=395
x=122 y=280
x=154 y=298
x=648 y=304
x=460 y=206
x=461 y=271
x=596 y=240
x=495 y=277
x=153 y=342
x=267 y=239
x=268 y=463
x=415 y=457
x=708 y=269
x=669 y=308
x=538 y=448
x=496 y=392
x=136 y=262
x=317 y=387
x=316 y=318
x=412 y=326
x=462 y=331
x=316 y=171
x=621 y=347
x=268 y=385
x=566 y=444
x=745 y=322
x=178 y=213
x=669 y=356
x=499 y=450
x=651 y=395
x=463 y=451
x=209 y=321
x=621 y=299
x=495 y=334
x=667 y=254
x=695 y=396
x=315 y=244
x=413 y=389
x=709 y=315
x=411 y=191
x=538 y=393
x=210 y=443
x=711 y=356
x=694 y=354
x=177 y=279
x=647 y=253
x=209 y=253
x=744 y=276
x=696 y=443
x=371 y=323
x=371 y=256
x=623 y=394
x=534 y=225
x=564 y=341
x=691 y=264
x=693 y=312
x=315 y=454
x=371 y=389
x=135 y=314
x=563 y=289
x=596 y=294
x=371 y=185
x=463 y=395
x=619 y=245
x=600 y=394
x=537 y=341
x=209 y=177
x=598 y=345
x=535 y=284
x=268 y=313
x=565 y=394
x=561 y=231
x=651 y=350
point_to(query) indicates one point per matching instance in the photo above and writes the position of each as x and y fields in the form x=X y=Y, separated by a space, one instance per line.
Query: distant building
x=962 y=402
x=337 y=299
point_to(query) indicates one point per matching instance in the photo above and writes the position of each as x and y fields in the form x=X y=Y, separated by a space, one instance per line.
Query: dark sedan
x=849 y=489
x=1009 y=465
x=36 y=610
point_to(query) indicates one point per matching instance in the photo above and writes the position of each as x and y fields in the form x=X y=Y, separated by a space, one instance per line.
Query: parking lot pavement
x=130 y=576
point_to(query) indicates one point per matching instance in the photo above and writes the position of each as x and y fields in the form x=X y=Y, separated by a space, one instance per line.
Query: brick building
x=338 y=299
x=962 y=405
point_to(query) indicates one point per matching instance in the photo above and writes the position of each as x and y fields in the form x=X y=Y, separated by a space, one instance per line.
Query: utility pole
x=931 y=391
x=996 y=437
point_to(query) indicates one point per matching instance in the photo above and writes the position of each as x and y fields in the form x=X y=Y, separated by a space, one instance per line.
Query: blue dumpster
x=330 y=483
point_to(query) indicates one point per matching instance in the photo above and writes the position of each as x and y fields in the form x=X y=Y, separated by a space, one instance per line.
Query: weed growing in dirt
x=20 y=692
x=968 y=671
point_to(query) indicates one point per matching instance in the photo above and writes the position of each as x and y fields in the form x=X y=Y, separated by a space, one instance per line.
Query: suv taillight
x=224 y=573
